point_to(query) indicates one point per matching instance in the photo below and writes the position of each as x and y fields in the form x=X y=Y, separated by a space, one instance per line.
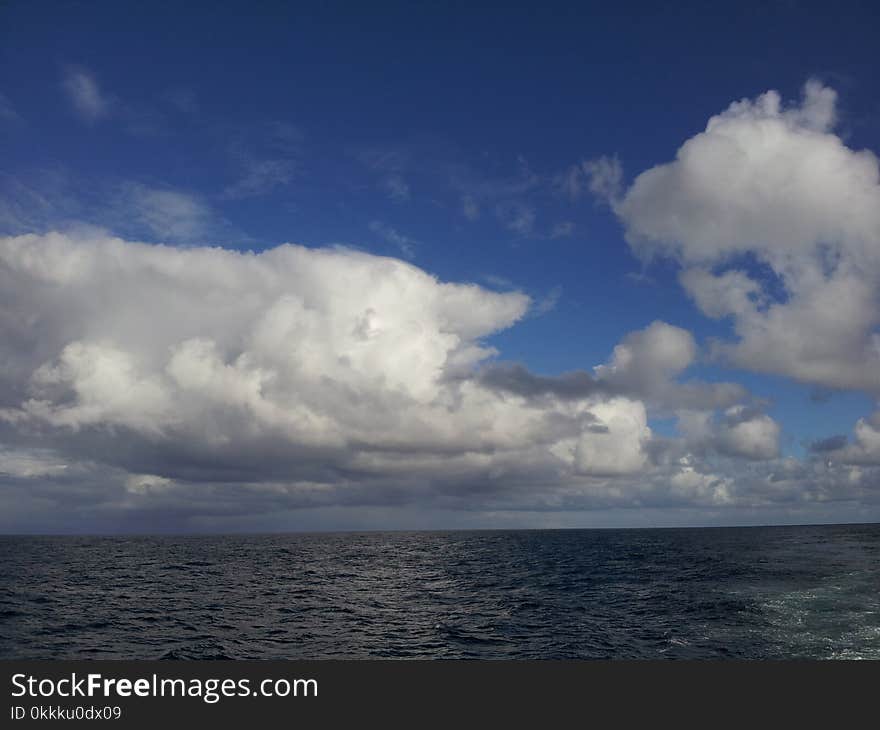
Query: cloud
x=603 y=177
x=43 y=200
x=7 y=110
x=396 y=188
x=330 y=360
x=548 y=302
x=145 y=384
x=648 y=362
x=570 y=183
x=260 y=177
x=85 y=95
x=266 y=157
x=29 y=464
x=516 y=217
x=182 y=100
x=644 y=366
x=29 y=202
x=562 y=230
x=405 y=244
x=741 y=432
x=832 y=443
x=749 y=434
x=863 y=450
x=170 y=215
x=470 y=208
x=776 y=225
x=619 y=447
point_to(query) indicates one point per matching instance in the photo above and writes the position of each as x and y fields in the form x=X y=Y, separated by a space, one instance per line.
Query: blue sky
x=443 y=134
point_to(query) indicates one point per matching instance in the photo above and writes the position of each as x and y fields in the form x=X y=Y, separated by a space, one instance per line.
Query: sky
x=273 y=266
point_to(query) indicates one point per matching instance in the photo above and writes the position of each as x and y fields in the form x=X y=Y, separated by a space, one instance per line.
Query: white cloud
x=648 y=362
x=752 y=436
x=773 y=183
x=209 y=383
x=147 y=484
x=864 y=448
x=650 y=355
x=85 y=95
x=693 y=485
x=207 y=349
x=741 y=432
x=617 y=446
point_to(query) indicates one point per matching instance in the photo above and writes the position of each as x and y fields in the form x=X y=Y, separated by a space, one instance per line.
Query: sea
x=717 y=593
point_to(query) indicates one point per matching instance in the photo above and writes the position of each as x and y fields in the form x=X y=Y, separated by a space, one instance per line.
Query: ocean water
x=739 y=593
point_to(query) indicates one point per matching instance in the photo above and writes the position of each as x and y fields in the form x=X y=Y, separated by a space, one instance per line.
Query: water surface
x=780 y=592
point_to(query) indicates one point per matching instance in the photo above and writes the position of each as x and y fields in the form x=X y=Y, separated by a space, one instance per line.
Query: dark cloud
x=832 y=443
x=515 y=378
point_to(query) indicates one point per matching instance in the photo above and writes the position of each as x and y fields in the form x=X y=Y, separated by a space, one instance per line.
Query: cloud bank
x=312 y=377
x=149 y=387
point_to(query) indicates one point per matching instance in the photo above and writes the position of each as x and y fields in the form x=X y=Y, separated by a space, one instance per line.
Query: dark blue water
x=777 y=592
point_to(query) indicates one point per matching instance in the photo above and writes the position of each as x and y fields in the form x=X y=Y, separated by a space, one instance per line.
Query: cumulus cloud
x=648 y=363
x=741 y=432
x=776 y=225
x=324 y=376
x=310 y=362
x=645 y=368
x=863 y=449
x=619 y=446
x=195 y=386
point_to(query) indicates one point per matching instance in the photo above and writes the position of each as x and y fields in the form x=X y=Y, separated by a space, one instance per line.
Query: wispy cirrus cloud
x=563 y=229
x=85 y=95
x=397 y=188
x=266 y=157
x=93 y=103
x=516 y=217
x=602 y=177
x=56 y=199
x=470 y=208
x=8 y=112
x=406 y=245
x=169 y=215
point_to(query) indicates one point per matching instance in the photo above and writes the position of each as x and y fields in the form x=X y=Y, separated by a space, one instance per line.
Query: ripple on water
x=738 y=593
